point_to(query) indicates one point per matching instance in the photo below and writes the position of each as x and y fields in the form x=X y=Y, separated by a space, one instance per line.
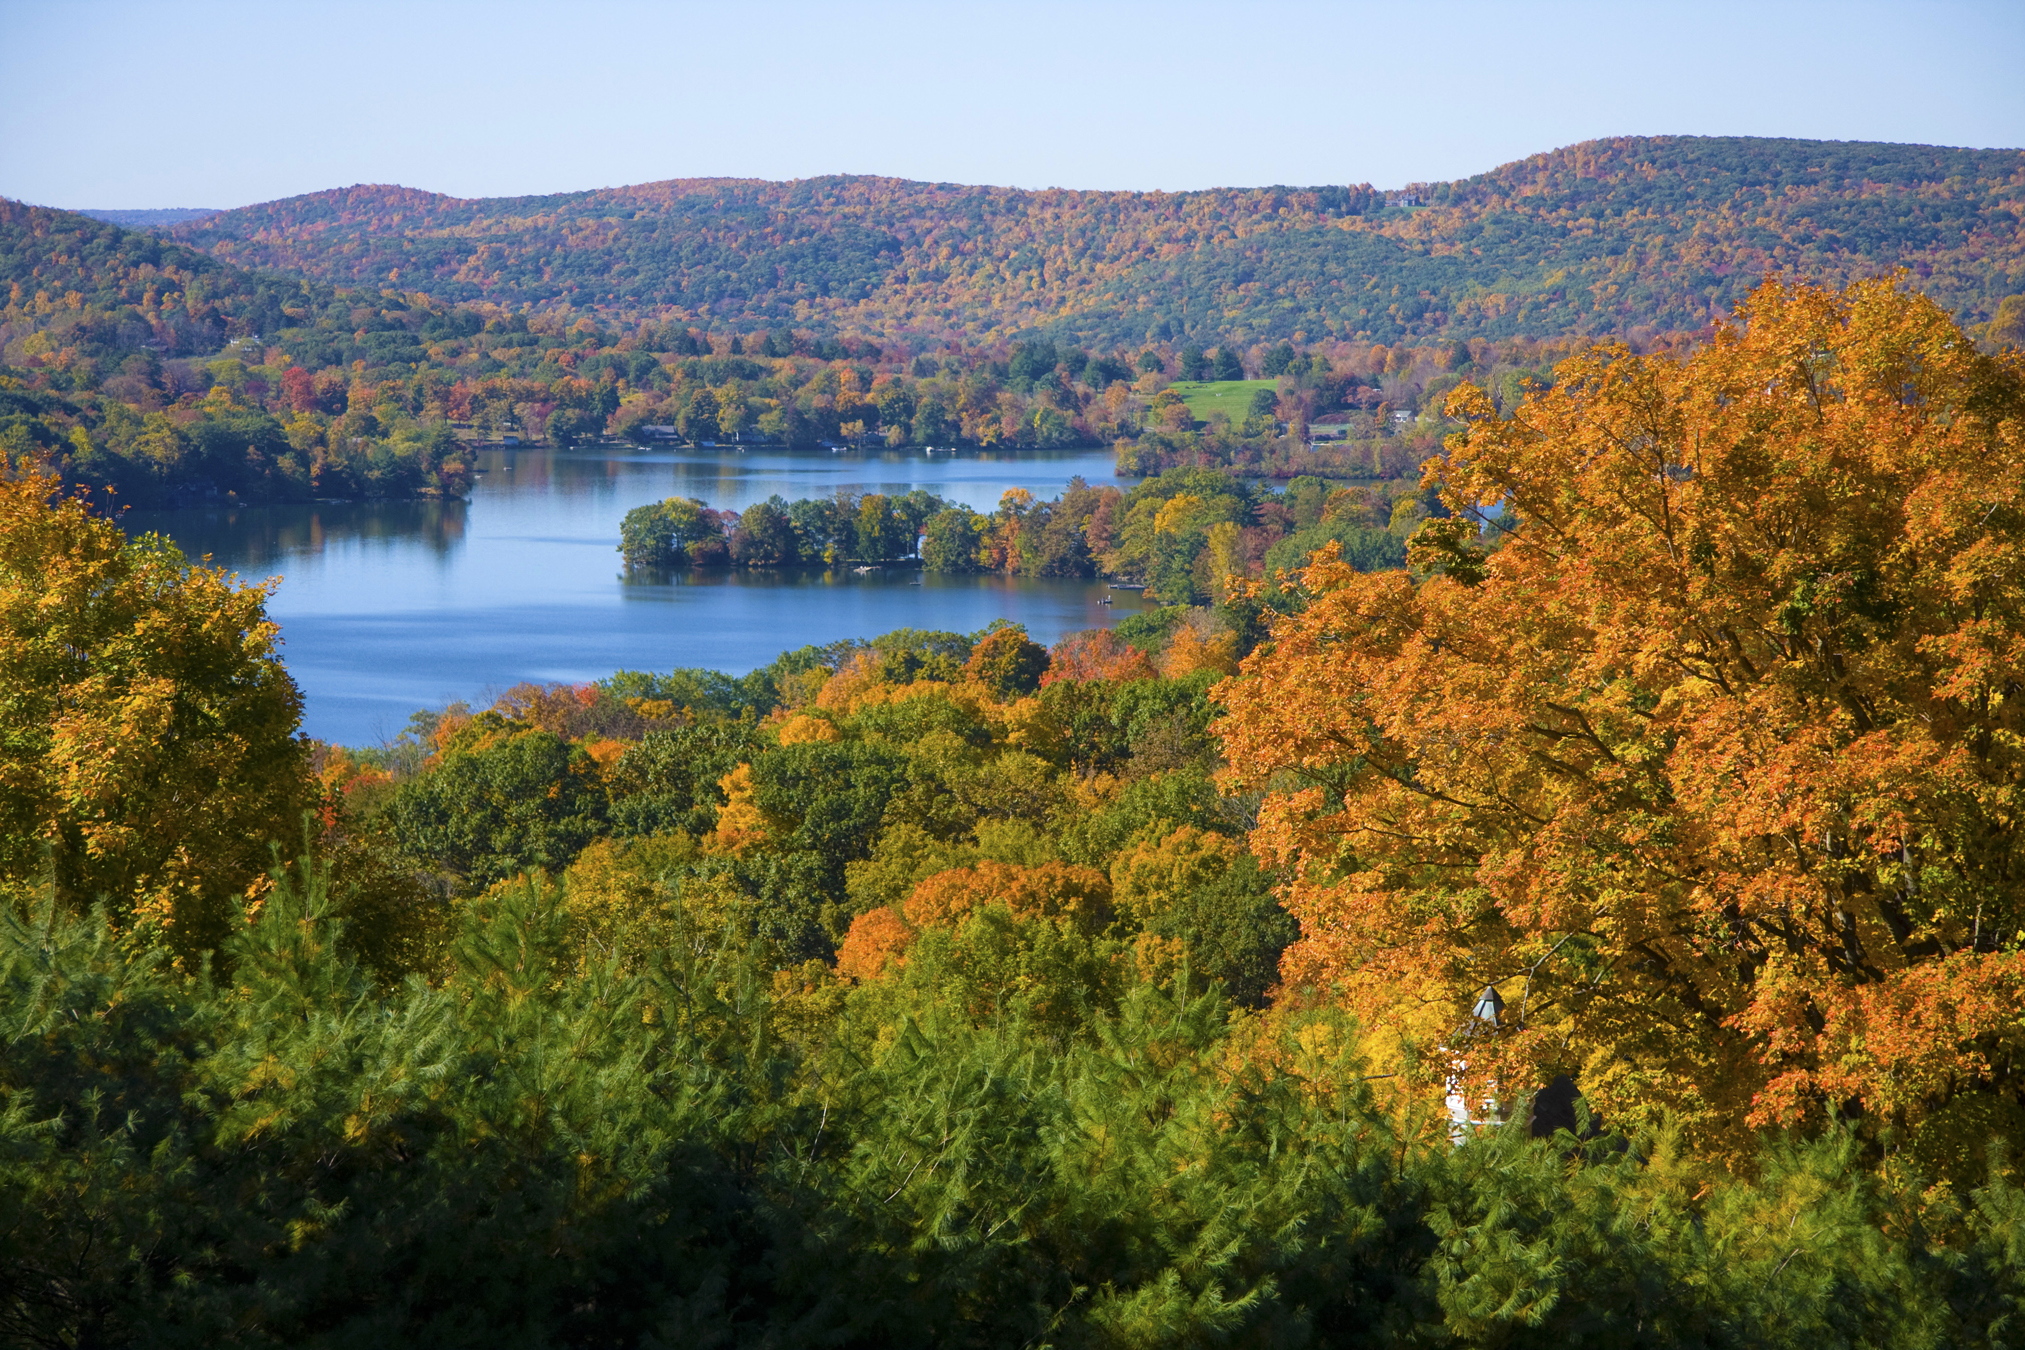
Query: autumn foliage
x=149 y=730
x=1075 y=897
x=1079 y=895
x=1713 y=767
x=879 y=938
x=1008 y=663
x=1096 y=655
x=1620 y=231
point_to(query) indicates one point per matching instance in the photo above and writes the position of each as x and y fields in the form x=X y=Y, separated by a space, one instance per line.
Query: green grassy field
x=1232 y=398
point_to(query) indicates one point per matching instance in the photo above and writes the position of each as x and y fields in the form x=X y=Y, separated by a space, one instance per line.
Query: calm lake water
x=388 y=607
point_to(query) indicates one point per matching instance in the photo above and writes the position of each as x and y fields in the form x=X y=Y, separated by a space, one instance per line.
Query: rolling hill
x=1606 y=236
x=104 y=288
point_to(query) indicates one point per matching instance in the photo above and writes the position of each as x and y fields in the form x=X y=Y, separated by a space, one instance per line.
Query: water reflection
x=647 y=581
x=735 y=479
x=255 y=538
x=386 y=607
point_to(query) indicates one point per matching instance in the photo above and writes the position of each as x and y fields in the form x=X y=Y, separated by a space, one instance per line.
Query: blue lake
x=387 y=607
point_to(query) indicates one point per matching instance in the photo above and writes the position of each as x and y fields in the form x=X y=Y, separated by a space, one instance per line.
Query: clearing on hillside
x=1232 y=398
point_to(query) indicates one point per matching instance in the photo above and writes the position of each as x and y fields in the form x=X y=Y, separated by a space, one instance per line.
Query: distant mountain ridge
x=1610 y=235
x=1606 y=236
x=150 y=218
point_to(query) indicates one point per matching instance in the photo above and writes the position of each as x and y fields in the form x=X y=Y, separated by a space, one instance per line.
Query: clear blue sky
x=119 y=104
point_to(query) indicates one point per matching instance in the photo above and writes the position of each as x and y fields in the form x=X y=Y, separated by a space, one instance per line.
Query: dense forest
x=149 y=367
x=1619 y=236
x=165 y=375
x=1607 y=928
x=402 y=327
x=131 y=364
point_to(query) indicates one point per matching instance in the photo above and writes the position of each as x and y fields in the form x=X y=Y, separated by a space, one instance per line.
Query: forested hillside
x=1607 y=236
x=871 y=311
x=146 y=367
x=136 y=289
x=104 y=335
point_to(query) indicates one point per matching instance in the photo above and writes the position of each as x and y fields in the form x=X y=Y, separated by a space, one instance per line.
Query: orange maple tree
x=1713 y=766
x=1078 y=897
x=1098 y=654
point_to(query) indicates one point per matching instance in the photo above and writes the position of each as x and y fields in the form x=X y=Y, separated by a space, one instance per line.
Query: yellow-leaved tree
x=1713 y=768
x=148 y=752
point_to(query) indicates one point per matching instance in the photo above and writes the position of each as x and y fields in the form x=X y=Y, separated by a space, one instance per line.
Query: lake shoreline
x=389 y=607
